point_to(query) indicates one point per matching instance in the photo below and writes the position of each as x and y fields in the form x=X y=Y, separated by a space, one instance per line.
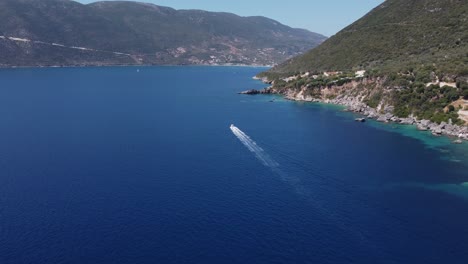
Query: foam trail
x=254 y=148
x=295 y=182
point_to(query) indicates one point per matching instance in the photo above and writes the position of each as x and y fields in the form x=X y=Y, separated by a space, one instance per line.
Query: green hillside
x=414 y=55
x=394 y=36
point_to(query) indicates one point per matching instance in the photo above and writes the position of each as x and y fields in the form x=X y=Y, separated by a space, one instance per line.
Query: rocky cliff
x=356 y=94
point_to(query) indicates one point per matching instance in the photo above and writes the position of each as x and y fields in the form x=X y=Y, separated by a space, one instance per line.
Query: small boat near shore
x=362 y=120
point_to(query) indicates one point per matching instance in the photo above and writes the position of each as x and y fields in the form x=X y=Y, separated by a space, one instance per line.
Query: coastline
x=457 y=133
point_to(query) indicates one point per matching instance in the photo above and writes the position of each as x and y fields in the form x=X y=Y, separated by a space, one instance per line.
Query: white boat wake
x=266 y=160
x=296 y=183
x=254 y=148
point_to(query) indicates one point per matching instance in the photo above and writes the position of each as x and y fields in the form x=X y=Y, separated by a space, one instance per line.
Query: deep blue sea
x=139 y=165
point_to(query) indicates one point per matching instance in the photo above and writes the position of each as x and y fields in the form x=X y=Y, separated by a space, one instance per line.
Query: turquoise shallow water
x=115 y=165
x=443 y=144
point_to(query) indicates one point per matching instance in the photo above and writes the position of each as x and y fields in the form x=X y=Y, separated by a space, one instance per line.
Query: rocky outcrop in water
x=254 y=91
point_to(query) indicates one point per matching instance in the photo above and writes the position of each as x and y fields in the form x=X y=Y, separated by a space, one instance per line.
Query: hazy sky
x=322 y=16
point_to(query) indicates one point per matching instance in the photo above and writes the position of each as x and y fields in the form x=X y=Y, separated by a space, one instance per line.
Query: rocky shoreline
x=353 y=104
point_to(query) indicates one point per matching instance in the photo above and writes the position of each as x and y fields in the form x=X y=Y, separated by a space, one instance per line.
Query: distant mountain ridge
x=65 y=32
